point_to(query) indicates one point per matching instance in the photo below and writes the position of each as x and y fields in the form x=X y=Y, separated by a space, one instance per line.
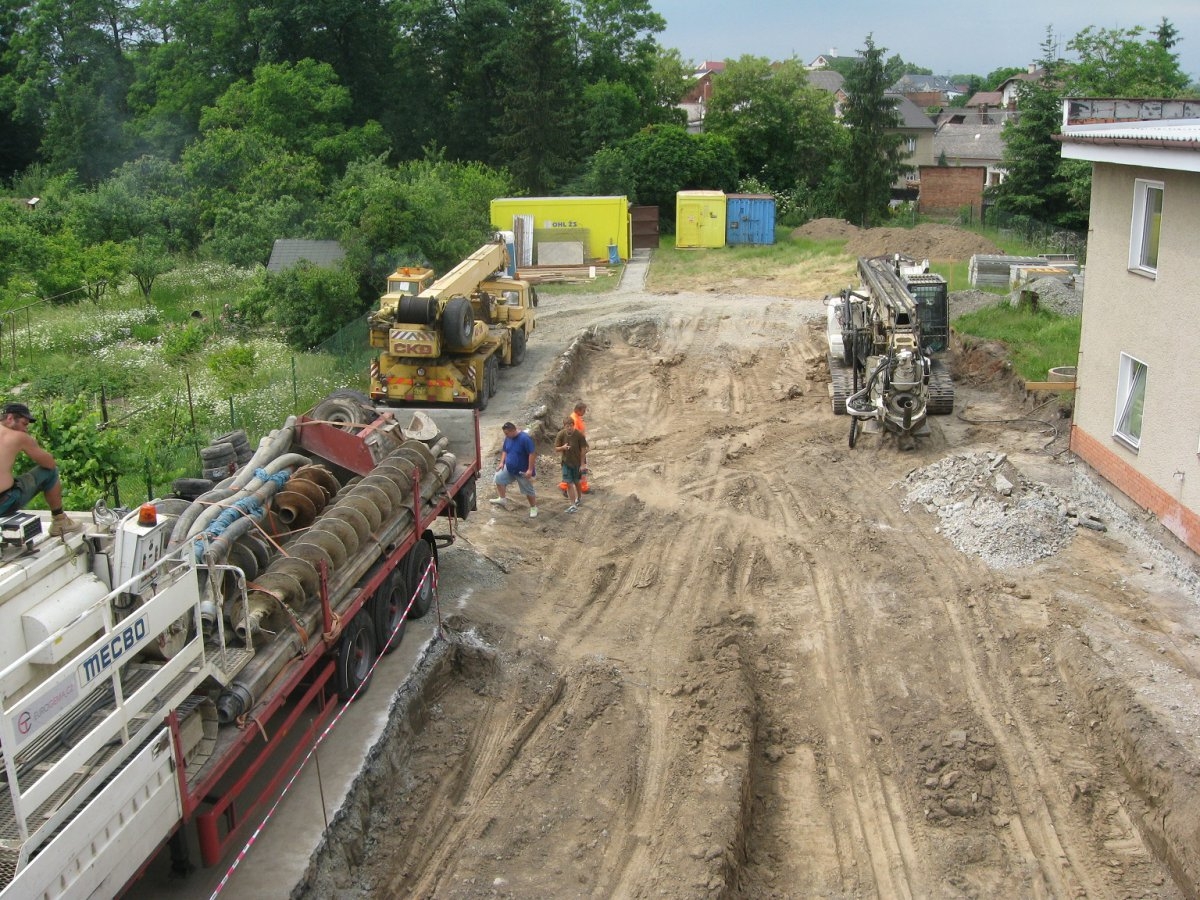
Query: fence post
x=295 y=387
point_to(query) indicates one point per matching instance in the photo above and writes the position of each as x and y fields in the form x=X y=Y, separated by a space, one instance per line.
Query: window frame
x=1142 y=228
x=1132 y=377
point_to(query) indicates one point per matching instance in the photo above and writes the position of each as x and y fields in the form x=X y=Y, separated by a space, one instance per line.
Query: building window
x=911 y=144
x=1147 y=226
x=1131 y=398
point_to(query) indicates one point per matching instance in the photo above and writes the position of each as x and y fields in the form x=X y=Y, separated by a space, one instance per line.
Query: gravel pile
x=1053 y=295
x=988 y=509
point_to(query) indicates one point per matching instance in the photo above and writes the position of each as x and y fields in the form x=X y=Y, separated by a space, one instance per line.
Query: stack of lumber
x=563 y=274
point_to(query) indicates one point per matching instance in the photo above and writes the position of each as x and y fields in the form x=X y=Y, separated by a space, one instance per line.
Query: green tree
x=993 y=79
x=307 y=303
x=874 y=157
x=90 y=457
x=659 y=161
x=1166 y=33
x=148 y=258
x=1031 y=157
x=1121 y=62
x=539 y=92
x=782 y=128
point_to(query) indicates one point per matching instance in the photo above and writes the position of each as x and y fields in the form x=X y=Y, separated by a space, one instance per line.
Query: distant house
x=286 y=252
x=824 y=60
x=695 y=101
x=1136 y=419
x=927 y=90
x=1010 y=88
x=832 y=82
x=917 y=129
x=971 y=144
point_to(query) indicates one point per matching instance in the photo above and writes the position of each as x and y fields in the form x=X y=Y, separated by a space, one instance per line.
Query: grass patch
x=800 y=259
x=1036 y=341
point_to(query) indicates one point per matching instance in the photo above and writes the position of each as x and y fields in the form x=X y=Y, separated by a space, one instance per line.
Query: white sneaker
x=499 y=501
x=572 y=508
x=533 y=512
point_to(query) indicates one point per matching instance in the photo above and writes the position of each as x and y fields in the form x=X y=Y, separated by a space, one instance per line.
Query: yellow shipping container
x=601 y=224
x=700 y=219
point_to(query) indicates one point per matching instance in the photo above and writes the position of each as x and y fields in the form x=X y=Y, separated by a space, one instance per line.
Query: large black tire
x=387 y=612
x=414 y=568
x=191 y=488
x=344 y=411
x=853 y=431
x=465 y=501
x=484 y=394
x=416 y=311
x=458 y=323
x=492 y=377
x=518 y=347
x=356 y=654
x=217 y=454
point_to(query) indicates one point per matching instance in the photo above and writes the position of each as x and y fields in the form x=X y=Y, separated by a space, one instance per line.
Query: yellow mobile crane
x=444 y=342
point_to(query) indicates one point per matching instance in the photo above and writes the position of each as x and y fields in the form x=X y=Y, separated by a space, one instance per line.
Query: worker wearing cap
x=15 y=492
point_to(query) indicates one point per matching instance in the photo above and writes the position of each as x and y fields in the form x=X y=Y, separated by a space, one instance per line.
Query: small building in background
x=749 y=219
x=565 y=230
x=700 y=219
x=286 y=252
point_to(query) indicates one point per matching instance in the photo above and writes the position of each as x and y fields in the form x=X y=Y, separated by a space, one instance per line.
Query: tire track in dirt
x=774 y=677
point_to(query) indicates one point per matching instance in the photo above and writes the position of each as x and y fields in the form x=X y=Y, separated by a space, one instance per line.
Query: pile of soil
x=925 y=241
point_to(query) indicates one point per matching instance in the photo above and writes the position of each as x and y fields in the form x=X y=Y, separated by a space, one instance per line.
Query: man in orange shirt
x=577 y=420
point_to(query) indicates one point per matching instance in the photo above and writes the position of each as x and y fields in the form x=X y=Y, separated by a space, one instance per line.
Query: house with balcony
x=1137 y=415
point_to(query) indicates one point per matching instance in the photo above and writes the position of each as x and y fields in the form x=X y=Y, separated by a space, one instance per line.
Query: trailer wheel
x=458 y=323
x=355 y=656
x=518 y=347
x=387 y=612
x=465 y=500
x=415 y=565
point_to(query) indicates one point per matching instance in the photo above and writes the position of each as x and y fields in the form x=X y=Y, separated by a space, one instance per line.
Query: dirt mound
x=925 y=241
x=826 y=229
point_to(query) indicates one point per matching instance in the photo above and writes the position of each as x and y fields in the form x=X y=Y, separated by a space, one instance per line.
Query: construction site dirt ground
x=753 y=666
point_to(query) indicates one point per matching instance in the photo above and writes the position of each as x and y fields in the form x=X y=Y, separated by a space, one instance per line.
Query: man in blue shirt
x=517 y=462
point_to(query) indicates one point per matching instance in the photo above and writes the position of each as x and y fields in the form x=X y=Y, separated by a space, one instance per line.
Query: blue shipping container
x=749 y=219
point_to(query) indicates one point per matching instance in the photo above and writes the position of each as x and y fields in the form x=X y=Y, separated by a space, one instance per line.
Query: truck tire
x=387 y=612
x=492 y=368
x=356 y=655
x=417 y=311
x=518 y=347
x=484 y=394
x=458 y=323
x=216 y=455
x=415 y=565
x=343 y=411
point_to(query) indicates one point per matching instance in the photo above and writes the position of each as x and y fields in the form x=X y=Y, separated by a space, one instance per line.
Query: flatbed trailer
x=153 y=682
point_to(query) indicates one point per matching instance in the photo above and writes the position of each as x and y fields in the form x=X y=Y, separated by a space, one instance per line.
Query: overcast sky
x=949 y=38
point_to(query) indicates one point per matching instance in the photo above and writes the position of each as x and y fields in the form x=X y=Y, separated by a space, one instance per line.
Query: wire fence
x=1028 y=230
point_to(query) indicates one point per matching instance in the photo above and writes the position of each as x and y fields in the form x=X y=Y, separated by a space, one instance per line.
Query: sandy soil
x=748 y=668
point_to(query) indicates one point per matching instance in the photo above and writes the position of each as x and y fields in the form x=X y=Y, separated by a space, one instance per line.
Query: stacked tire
x=225 y=455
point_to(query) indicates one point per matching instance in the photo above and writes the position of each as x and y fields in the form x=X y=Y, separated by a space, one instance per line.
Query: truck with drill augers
x=165 y=668
x=444 y=342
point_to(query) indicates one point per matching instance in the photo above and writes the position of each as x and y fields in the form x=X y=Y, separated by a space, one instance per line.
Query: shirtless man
x=43 y=478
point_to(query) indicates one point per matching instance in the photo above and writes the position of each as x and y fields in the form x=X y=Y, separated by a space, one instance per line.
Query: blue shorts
x=505 y=477
x=572 y=474
x=25 y=487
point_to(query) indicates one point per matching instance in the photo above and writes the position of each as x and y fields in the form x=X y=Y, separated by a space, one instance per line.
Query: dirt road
x=756 y=664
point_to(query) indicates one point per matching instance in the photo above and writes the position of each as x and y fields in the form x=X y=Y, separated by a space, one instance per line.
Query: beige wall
x=1155 y=320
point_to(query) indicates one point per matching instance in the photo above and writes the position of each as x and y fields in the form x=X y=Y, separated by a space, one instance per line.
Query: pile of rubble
x=988 y=509
x=1053 y=295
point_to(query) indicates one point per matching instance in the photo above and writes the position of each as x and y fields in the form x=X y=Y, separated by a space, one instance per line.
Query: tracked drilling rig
x=883 y=340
